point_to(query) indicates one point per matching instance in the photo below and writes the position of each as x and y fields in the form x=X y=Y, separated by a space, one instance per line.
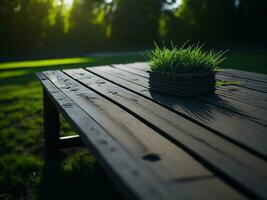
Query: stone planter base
x=183 y=85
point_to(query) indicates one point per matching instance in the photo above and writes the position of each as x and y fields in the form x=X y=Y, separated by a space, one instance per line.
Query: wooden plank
x=250 y=97
x=232 y=92
x=164 y=158
x=200 y=188
x=70 y=141
x=51 y=125
x=255 y=114
x=143 y=66
x=123 y=128
x=227 y=158
x=132 y=179
x=246 y=83
x=239 y=129
x=245 y=75
x=130 y=68
x=140 y=68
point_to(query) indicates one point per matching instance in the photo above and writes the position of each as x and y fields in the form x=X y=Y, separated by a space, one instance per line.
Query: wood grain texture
x=51 y=125
x=246 y=107
x=224 y=101
x=201 y=188
x=235 y=127
x=246 y=83
x=220 y=154
x=243 y=95
x=245 y=75
x=134 y=181
x=141 y=67
x=123 y=127
x=169 y=147
x=167 y=161
x=249 y=102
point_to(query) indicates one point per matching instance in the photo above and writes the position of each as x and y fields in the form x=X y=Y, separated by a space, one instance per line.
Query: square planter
x=182 y=85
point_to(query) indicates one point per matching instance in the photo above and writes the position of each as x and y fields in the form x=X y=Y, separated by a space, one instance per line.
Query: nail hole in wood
x=151 y=157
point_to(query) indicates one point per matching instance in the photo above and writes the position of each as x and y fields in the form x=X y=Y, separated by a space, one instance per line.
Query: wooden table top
x=166 y=147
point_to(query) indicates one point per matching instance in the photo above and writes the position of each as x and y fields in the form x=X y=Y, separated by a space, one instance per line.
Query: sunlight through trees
x=90 y=25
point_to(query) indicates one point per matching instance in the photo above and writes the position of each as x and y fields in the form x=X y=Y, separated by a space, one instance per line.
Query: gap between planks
x=82 y=80
x=70 y=88
x=214 y=126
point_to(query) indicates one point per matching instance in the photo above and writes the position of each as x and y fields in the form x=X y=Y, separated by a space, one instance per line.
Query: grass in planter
x=223 y=83
x=184 y=60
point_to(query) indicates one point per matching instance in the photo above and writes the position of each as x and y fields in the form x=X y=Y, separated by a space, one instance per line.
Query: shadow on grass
x=74 y=177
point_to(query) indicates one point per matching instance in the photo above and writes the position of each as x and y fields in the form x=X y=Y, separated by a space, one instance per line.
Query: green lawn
x=73 y=174
x=249 y=60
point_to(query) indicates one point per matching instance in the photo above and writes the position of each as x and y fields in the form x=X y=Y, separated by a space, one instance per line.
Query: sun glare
x=68 y=2
x=58 y=2
x=172 y=4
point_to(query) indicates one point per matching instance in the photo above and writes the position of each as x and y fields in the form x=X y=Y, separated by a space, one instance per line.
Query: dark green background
x=45 y=26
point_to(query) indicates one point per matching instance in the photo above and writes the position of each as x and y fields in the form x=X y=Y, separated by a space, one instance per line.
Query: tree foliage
x=135 y=22
x=89 y=25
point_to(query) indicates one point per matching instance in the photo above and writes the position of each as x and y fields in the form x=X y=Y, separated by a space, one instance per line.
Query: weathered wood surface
x=143 y=66
x=70 y=141
x=122 y=126
x=231 y=91
x=238 y=128
x=114 y=159
x=245 y=75
x=179 y=129
x=210 y=147
x=51 y=125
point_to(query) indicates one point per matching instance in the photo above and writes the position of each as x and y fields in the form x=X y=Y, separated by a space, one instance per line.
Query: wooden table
x=155 y=146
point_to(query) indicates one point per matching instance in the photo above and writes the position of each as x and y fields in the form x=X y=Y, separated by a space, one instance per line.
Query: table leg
x=51 y=125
